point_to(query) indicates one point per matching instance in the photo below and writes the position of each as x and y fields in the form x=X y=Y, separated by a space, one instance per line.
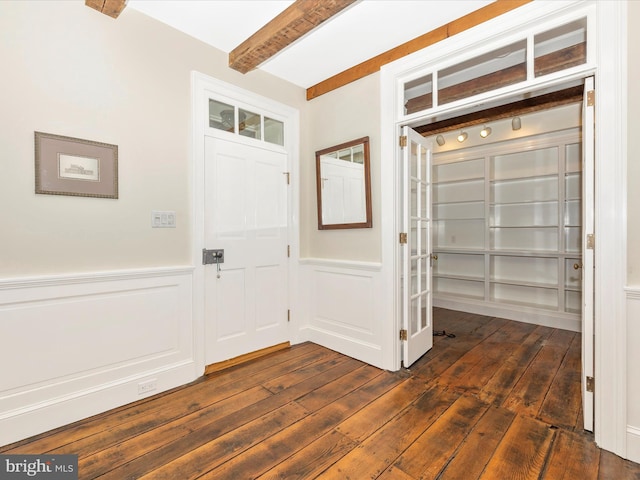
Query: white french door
x=416 y=249
x=588 y=225
x=246 y=215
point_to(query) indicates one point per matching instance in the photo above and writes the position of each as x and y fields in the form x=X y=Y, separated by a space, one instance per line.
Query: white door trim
x=202 y=86
x=610 y=277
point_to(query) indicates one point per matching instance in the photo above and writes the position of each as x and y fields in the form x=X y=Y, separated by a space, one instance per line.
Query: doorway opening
x=512 y=208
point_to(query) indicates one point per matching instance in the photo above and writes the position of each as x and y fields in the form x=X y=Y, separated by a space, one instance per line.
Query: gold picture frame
x=76 y=167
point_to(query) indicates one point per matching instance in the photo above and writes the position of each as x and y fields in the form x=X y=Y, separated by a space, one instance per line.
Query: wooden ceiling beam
x=297 y=20
x=520 y=107
x=372 y=65
x=112 y=8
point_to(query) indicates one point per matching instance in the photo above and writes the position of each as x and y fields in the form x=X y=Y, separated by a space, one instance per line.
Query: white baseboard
x=366 y=352
x=633 y=444
x=79 y=345
x=55 y=412
x=632 y=336
x=520 y=314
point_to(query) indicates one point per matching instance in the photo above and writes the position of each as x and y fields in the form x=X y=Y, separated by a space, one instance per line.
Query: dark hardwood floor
x=501 y=400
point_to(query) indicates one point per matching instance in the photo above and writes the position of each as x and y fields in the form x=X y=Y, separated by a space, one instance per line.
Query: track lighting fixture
x=516 y=124
x=485 y=132
x=440 y=140
x=462 y=136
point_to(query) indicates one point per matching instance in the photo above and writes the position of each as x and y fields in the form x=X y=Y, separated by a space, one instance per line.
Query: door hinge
x=403 y=238
x=591 y=384
x=403 y=335
x=591 y=98
x=288 y=251
x=403 y=141
x=591 y=241
x=288 y=315
x=288 y=177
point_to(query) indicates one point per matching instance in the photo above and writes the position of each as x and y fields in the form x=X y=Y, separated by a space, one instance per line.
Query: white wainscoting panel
x=633 y=373
x=342 y=308
x=74 y=346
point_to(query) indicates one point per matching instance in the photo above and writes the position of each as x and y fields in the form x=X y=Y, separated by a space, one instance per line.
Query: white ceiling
x=364 y=30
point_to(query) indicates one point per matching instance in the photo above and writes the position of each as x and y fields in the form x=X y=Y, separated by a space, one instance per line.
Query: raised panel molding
x=342 y=311
x=77 y=345
x=633 y=379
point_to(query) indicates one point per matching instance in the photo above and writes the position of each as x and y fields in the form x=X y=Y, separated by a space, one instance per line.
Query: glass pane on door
x=222 y=116
x=273 y=131
x=249 y=124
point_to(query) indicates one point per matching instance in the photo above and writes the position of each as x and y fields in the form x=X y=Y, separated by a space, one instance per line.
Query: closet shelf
x=467 y=278
x=524 y=226
x=459 y=180
x=572 y=288
x=523 y=203
x=507 y=237
x=524 y=283
x=524 y=178
x=569 y=254
x=459 y=202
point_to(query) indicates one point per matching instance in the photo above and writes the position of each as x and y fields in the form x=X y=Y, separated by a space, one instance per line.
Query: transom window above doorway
x=244 y=122
x=534 y=56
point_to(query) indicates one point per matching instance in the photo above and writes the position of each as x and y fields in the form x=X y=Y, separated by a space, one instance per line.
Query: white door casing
x=203 y=88
x=416 y=252
x=246 y=215
x=588 y=230
x=607 y=61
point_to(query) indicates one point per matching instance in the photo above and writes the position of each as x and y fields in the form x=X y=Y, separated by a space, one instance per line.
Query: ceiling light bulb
x=440 y=140
x=516 y=123
x=462 y=137
x=485 y=132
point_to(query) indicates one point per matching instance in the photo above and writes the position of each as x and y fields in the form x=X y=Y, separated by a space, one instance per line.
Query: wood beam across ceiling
x=297 y=20
x=372 y=65
x=112 y=8
x=520 y=107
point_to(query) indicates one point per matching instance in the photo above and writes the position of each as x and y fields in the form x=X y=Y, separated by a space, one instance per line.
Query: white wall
x=94 y=301
x=350 y=112
x=70 y=70
x=633 y=153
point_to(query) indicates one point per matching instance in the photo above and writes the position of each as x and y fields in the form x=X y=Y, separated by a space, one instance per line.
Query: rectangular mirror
x=344 y=185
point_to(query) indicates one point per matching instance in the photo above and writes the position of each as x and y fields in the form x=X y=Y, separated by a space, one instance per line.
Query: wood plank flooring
x=501 y=400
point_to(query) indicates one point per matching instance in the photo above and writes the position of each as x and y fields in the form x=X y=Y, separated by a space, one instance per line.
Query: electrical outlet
x=148 y=386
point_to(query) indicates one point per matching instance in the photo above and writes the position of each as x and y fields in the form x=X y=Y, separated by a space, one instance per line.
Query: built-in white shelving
x=507 y=224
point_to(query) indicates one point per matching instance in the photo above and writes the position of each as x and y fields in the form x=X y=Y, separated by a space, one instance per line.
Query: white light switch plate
x=163 y=219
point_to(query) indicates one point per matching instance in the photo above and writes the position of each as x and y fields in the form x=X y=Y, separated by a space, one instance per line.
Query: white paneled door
x=246 y=216
x=416 y=246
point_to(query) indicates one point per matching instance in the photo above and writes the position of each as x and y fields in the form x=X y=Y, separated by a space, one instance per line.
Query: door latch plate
x=212 y=257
